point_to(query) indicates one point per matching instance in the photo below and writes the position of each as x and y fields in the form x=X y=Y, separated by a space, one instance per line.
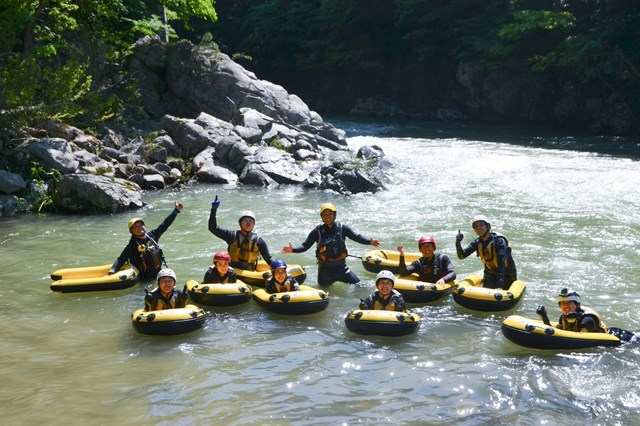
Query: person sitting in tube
x=220 y=272
x=432 y=267
x=385 y=298
x=165 y=296
x=280 y=281
x=574 y=316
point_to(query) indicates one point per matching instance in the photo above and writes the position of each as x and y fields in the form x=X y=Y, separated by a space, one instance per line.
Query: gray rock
x=153 y=181
x=370 y=151
x=11 y=205
x=11 y=183
x=213 y=172
x=53 y=153
x=90 y=193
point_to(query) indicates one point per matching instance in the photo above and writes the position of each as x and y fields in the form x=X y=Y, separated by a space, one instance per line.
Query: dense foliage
x=60 y=58
x=566 y=59
x=565 y=62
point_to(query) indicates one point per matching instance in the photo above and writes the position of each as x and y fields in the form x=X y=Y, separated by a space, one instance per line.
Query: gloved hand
x=542 y=311
x=185 y=290
x=459 y=237
x=215 y=203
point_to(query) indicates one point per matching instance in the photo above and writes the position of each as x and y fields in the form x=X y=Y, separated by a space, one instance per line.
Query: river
x=566 y=204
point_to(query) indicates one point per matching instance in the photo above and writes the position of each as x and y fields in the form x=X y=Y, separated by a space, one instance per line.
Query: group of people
x=244 y=248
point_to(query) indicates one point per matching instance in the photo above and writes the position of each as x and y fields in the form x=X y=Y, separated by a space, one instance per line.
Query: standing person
x=165 y=296
x=431 y=267
x=331 y=250
x=574 y=316
x=494 y=251
x=385 y=298
x=143 y=250
x=280 y=281
x=245 y=246
x=220 y=271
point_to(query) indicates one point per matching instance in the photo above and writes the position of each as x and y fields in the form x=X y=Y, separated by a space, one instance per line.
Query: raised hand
x=459 y=237
x=215 y=203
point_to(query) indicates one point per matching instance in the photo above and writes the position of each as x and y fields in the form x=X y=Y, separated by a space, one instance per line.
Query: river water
x=569 y=207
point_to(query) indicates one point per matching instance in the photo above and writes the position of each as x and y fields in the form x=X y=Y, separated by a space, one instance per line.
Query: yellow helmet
x=327 y=206
x=133 y=222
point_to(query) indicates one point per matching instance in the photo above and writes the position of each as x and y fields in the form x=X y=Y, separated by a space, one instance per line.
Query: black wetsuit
x=155 y=301
x=499 y=267
x=430 y=271
x=212 y=276
x=331 y=252
x=395 y=302
x=145 y=253
x=289 y=284
x=230 y=237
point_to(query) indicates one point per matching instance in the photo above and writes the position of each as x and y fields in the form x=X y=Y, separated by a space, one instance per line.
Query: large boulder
x=52 y=153
x=11 y=183
x=91 y=193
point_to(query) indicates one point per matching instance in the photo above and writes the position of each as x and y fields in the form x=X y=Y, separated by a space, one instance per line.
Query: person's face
x=166 y=285
x=247 y=224
x=138 y=229
x=568 y=306
x=328 y=217
x=280 y=274
x=480 y=227
x=427 y=250
x=222 y=266
x=384 y=287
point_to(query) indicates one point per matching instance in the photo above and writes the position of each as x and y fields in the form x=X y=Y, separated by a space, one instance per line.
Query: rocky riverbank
x=209 y=120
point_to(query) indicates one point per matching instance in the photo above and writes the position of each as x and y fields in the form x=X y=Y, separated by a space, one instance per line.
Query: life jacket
x=489 y=255
x=331 y=248
x=584 y=311
x=289 y=284
x=155 y=301
x=388 y=305
x=431 y=270
x=244 y=250
x=151 y=256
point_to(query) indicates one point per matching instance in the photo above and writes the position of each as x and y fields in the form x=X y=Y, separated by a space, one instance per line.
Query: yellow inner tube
x=539 y=327
x=470 y=287
x=188 y=312
x=305 y=294
x=238 y=287
x=382 y=316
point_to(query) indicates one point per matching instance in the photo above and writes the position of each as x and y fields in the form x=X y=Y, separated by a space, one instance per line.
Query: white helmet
x=480 y=218
x=247 y=213
x=565 y=296
x=166 y=273
x=385 y=274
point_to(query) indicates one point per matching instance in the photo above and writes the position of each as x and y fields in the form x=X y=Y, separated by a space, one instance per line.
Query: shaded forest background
x=564 y=64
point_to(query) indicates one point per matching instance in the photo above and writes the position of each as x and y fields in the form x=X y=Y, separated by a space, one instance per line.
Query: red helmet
x=221 y=255
x=427 y=239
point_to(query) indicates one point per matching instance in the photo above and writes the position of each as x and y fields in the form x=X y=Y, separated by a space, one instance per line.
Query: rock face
x=218 y=123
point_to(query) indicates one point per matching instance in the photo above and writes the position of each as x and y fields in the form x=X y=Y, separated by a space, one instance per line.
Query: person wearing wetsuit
x=331 y=250
x=431 y=267
x=385 y=298
x=220 y=271
x=494 y=251
x=577 y=318
x=165 y=296
x=245 y=246
x=280 y=281
x=143 y=250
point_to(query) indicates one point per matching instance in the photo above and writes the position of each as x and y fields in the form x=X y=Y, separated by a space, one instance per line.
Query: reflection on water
x=571 y=217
